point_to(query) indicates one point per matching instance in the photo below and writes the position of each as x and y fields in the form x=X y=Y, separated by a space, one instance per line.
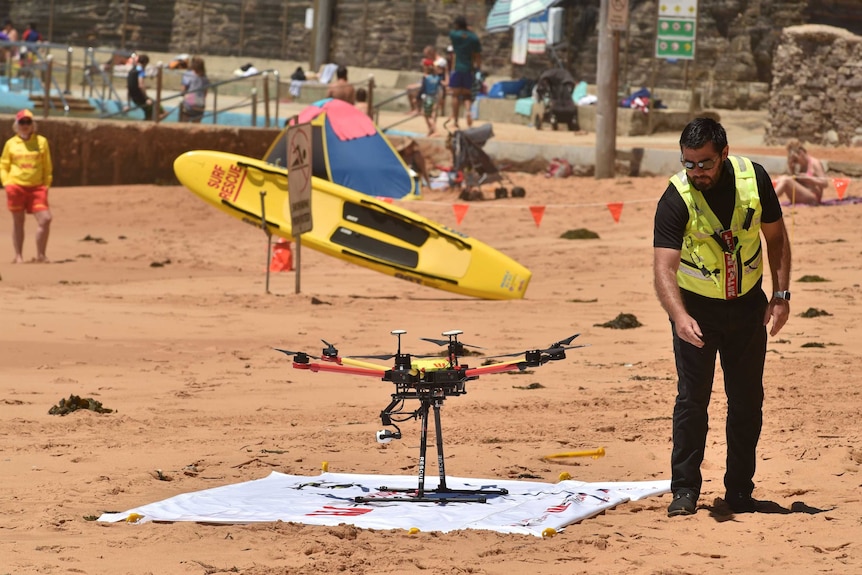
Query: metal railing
x=23 y=63
x=31 y=67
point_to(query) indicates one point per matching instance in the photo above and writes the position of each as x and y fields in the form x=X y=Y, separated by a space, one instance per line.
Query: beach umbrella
x=506 y=13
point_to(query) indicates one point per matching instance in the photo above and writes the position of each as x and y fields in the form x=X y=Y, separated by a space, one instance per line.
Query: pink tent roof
x=347 y=121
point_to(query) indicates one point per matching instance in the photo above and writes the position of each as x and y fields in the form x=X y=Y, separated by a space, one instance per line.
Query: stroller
x=472 y=167
x=554 y=91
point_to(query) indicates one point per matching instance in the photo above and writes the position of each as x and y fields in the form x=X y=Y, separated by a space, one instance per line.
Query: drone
x=430 y=380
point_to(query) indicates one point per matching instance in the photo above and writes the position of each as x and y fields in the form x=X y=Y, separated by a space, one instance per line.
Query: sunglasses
x=25 y=122
x=704 y=165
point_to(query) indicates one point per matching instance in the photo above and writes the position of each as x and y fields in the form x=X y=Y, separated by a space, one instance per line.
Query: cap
x=25 y=113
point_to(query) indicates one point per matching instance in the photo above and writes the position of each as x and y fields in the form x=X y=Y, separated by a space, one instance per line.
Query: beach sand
x=155 y=305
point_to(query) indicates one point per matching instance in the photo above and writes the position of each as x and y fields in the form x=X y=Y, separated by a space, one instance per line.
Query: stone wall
x=106 y=152
x=733 y=65
x=816 y=92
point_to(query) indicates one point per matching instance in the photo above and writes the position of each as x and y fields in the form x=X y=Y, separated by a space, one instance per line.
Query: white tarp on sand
x=328 y=499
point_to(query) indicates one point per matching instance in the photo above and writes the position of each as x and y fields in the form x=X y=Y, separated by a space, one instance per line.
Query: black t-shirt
x=671 y=216
x=135 y=93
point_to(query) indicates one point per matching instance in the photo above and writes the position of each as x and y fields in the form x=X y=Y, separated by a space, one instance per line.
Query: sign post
x=299 y=187
x=676 y=29
x=268 y=235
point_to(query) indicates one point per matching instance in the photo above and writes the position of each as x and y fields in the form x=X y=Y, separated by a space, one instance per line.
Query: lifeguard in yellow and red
x=26 y=173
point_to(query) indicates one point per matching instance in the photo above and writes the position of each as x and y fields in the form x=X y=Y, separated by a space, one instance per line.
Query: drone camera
x=445 y=376
x=400 y=376
x=385 y=436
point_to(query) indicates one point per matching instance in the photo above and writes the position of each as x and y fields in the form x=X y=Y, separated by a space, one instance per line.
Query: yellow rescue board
x=355 y=227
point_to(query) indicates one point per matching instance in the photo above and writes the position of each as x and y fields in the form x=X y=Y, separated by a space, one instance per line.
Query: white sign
x=678 y=8
x=299 y=178
x=676 y=30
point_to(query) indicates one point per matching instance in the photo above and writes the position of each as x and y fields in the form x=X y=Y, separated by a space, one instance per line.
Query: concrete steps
x=75 y=104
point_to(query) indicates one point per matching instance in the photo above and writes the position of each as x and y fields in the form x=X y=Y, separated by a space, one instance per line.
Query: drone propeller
x=387 y=356
x=329 y=350
x=296 y=354
x=453 y=339
x=553 y=349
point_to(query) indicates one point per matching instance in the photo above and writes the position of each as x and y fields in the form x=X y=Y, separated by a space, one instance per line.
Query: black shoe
x=684 y=503
x=741 y=502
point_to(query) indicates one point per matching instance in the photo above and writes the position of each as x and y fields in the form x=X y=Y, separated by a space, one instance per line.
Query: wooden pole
x=409 y=52
x=297 y=280
x=364 y=36
x=284 y=51
x=241 y=25
x=51 y=22
x=157 y=104
x=201 y=27
x=265 y=79
x=125 y=22
x=370 y=101
x=47 y=84
x=606 y=109
x=268 y=236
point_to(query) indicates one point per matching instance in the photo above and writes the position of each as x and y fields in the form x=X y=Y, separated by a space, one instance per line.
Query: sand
x=155 y=305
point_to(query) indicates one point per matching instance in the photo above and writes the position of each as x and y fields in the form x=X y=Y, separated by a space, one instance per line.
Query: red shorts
x=26 y=198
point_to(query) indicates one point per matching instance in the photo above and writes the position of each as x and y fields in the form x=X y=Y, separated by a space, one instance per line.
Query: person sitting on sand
x=807 y=178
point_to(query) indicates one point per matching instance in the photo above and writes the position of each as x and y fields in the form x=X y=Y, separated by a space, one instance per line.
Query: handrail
x=98 y=78
x=379 y=105
x=44 y=63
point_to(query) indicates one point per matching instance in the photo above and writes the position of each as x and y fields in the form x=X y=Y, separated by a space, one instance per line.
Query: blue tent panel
x=368 y=165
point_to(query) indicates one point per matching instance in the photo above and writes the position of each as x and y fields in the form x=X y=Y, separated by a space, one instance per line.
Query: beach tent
x=347 y=148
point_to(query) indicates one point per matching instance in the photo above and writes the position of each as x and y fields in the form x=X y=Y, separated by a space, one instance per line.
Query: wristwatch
x=785 y=295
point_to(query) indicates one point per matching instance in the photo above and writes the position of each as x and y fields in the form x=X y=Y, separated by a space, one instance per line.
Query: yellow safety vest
x=718 y=263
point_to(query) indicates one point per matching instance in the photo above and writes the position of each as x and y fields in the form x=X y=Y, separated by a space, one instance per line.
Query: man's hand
x=779 y=310
x=688 y=330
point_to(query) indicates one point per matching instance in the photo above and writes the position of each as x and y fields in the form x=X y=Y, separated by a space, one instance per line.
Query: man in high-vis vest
x=708 y=265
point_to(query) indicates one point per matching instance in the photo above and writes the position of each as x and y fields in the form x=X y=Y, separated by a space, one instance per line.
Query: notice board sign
x=299 y=178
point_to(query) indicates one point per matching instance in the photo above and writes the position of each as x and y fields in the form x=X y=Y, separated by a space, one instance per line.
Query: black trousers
x=734 y=330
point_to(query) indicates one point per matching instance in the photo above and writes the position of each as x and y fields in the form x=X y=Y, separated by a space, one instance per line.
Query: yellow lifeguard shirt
x=26 y=162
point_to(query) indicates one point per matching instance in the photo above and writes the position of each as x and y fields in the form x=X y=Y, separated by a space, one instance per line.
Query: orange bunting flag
x=840 y=186
x=538 y=212
x=616 y=209
x=382 y=199
x=774 y=183
x=460 y=211
x=282 y=257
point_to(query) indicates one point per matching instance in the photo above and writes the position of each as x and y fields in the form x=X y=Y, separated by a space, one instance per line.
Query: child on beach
x=429 y=91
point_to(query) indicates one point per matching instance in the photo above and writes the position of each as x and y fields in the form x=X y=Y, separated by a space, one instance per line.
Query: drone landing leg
x=442 y=494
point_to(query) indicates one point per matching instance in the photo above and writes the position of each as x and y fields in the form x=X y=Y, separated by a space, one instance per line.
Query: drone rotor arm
x=502 y=367
x=338 y=368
